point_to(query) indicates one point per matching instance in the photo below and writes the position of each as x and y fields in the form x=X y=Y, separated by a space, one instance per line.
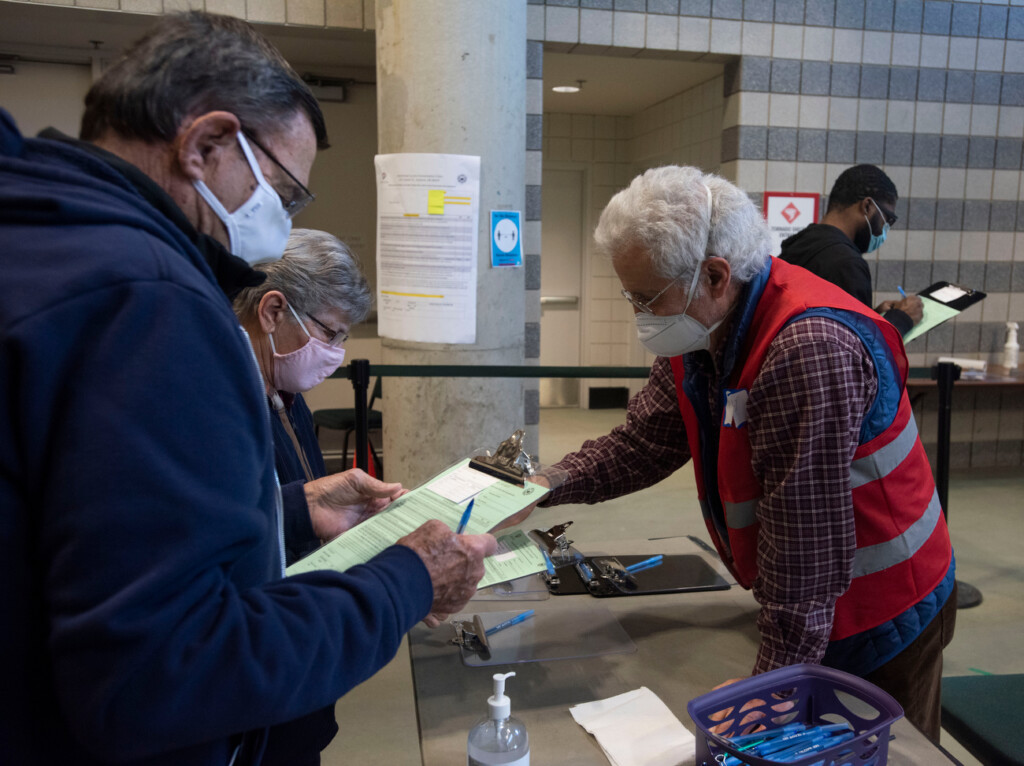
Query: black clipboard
x=965 y=301
x=942 y=301
x=678 y=573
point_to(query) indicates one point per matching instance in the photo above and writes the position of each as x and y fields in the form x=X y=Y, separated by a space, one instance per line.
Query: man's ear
x=205 y=141
x=719 y=276
x=271 y=311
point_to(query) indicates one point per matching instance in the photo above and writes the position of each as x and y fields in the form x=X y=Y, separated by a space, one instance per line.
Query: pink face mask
x=305 y=367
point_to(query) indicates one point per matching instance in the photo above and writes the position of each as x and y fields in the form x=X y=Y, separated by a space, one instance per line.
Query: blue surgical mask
x=876 y=239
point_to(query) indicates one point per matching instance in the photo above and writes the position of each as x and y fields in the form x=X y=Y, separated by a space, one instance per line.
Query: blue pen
x=548 y=564
x=653 y=561
x=509 y=622
x=465 y=517
x=900 y=288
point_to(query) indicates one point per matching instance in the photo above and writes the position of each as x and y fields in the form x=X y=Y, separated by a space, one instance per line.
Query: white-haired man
x=788 y=396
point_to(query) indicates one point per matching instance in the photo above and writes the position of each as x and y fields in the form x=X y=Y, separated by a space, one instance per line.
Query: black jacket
x=825 y=251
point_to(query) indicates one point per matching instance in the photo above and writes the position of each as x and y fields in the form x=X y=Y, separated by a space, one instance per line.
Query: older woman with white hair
x=298 y=321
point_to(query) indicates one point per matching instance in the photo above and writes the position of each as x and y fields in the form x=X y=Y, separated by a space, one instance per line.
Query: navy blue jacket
x=144 y=616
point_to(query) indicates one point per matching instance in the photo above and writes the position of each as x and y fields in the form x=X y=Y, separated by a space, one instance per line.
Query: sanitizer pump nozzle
x=1011 y=350
x=499 y=738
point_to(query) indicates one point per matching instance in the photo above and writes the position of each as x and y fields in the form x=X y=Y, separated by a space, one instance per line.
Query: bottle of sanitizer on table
x=499 y=738
x=1012 y=349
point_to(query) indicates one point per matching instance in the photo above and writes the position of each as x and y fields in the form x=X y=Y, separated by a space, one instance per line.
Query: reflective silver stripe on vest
x=741 y=515
x=875 y=558
x=883 y=461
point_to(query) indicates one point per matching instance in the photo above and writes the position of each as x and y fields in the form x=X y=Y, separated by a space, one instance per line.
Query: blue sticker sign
x=506 y=239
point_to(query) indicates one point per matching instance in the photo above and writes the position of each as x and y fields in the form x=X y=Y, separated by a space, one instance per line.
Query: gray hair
x=317 y=272
x=190 y=64
x=664 y=214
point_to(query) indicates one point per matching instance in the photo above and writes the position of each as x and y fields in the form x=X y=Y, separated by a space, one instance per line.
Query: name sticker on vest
x=735 y=414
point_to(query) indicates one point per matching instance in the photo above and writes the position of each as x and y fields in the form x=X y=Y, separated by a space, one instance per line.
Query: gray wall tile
x=902 y=208
x=758 y=10
x=944 y=271
x=534 y=132
x=1017 y=280
x=993 y=22
x=757 y=198
x=754 y=74
x=878 y=15
x=1015 y=24
x=850 y=14
x=1002 y=216
x=845 y=80
x=727 y=9
x=531 y=340
x=638 y=6
x=789 y=12
x=936 y=17
x=922 y=214
x=841 y=146
x=959 y=86
x=940 y=339
x=815 y=79
x=1008 y=153
x=926 y=150
x=603 y=5
x=811 y=145
x=903 y=83
x=976 y=214
x=971 y=273
x=572 y=3
x=965 y=20
x=695 y=7
x=949 y=214
x=1020 y=216
x=534 y=59
x=997 y=277
x=889 y=273
x=986 y=88
x=1013 y=90
x=871 y=148
x=531 y=406
x=898 y=146
x=954 y=151
x=966 y=336
x=663 y=6
x=874 y=82
x=820 y=13
x=917 y=273
x=781 y=143
x=908 y=15
x=785 y=76
x=931 y=85
x=533 y=202
x=753 y=142
x=982 y=152
x=531 y=262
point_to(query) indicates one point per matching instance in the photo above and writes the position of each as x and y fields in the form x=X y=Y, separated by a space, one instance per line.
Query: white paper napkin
x=637 y=729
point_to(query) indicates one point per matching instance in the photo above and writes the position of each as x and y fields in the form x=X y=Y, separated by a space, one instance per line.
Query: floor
x=378 y=719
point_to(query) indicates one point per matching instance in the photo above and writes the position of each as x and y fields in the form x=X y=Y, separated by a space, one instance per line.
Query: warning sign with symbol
x=787 y=213
x=506 y=245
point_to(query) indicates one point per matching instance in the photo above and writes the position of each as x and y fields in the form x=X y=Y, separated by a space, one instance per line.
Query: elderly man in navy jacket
x=146 y=619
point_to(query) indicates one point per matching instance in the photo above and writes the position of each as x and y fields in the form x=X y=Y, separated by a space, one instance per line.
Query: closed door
x=560 y=283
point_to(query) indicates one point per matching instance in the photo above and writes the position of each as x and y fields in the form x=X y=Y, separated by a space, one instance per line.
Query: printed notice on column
x=427 y=229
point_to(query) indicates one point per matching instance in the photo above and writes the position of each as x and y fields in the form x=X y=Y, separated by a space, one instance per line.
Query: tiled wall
x=932 y=91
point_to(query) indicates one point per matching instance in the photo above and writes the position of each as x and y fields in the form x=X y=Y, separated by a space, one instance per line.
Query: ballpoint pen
x=509 y=622
x=900 y=288
x=639 y=566
x=465 y=517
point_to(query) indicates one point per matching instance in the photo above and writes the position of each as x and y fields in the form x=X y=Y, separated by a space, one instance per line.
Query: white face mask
x=258 y=231
x=676 y=334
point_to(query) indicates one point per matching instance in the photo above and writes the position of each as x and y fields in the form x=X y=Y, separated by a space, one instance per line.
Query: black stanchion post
x=359 y=373
x=945 y=373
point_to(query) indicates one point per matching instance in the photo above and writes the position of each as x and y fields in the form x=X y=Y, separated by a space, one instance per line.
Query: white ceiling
x=618 y=86
x=613 y=85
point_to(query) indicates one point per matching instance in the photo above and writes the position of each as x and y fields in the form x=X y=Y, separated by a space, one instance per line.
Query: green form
x=935 y=313
x=444 y=497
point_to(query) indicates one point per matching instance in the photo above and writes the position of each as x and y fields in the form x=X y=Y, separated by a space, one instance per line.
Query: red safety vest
x=903 y=548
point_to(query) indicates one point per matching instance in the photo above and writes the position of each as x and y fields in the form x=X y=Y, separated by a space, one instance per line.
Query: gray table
x=685 y=645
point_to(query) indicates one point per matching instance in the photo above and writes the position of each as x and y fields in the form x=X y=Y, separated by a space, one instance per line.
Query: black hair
x=192 y=63
x=858 y=182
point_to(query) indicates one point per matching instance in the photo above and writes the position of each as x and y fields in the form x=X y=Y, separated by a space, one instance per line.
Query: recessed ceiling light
x=566 y=89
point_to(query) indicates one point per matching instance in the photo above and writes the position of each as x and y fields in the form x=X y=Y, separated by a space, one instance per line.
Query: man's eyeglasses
x=336 y=337
x=301 y=196
x=889 y=218
x=645 y=306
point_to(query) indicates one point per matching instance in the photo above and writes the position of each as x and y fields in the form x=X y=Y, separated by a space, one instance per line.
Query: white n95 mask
x=258 y=231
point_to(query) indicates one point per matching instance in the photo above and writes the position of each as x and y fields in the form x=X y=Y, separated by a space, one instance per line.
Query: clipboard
x=942 y=301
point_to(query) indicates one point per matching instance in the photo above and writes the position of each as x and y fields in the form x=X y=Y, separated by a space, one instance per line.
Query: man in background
x=861 y=208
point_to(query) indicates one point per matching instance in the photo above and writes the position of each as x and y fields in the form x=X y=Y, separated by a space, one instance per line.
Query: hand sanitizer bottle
x=1011 y=351
x=499 y=738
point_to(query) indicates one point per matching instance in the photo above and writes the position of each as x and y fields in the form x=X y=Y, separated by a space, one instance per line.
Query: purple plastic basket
x=813 y=691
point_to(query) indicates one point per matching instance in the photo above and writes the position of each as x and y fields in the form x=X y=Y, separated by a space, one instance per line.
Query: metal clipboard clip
x=509 y=462
x=471 y=636
x=558 y=546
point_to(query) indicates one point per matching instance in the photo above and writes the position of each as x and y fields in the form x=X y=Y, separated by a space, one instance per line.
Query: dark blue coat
x=144 y=618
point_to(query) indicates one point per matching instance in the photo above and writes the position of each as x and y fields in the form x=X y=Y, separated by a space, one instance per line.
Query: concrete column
x=451 y=78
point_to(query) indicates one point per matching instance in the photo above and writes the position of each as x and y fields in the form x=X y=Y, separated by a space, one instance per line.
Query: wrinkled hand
x=912 y=306
x=455 y=563
x=340 y=501
x=522 y=515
